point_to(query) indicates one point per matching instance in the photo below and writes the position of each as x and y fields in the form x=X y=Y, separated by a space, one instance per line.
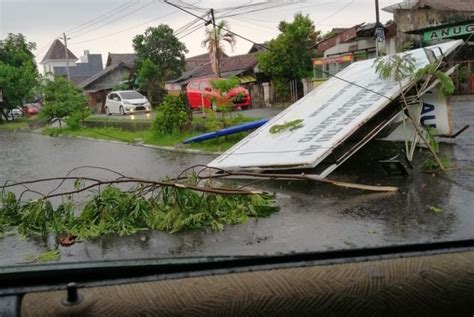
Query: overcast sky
x=113 y=24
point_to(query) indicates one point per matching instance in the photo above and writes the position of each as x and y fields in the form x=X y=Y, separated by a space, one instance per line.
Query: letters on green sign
x=448 y=32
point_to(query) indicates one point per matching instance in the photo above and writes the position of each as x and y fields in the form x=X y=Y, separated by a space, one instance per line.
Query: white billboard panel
x=330 y=114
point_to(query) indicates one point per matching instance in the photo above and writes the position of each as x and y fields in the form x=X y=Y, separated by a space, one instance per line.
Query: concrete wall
x=257 y=95
x=409 y=20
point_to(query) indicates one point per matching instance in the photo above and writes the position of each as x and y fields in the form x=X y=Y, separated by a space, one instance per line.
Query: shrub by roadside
x=172 y=115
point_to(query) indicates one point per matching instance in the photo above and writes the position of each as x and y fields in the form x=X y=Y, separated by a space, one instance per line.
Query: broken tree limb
x=309 y=178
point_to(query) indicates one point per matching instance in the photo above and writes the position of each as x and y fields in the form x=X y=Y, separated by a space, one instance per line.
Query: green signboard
x=447 y=32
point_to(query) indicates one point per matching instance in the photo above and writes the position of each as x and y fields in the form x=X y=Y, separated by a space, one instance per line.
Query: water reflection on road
x=312 y=216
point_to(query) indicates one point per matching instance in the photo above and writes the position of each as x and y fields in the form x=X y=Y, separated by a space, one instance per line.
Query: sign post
x=448 y=32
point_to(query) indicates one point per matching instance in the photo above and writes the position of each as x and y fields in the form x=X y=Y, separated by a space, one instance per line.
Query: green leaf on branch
x=113 y=210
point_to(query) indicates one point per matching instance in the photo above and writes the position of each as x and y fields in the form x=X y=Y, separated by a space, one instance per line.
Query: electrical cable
x=266 y=48
x=257 y=10
x=99 y=18
x=334 y=13
x=225 y=29
x=120 y=17
x=192 y=31
x=121 y=31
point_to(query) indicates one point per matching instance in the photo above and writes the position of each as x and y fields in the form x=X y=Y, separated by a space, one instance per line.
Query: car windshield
x=345 y=136
x=131 y=95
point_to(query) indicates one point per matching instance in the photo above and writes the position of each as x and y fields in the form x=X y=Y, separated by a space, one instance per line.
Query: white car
x=126 y=102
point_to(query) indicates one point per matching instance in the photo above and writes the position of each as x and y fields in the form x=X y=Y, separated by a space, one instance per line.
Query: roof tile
x=56 y=51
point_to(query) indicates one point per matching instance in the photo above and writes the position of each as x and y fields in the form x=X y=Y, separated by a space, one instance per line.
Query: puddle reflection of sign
x=333 y=60
x=448 y=32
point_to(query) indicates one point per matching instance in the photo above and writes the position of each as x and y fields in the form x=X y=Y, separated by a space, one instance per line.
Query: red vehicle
x=31 y=109
x=200 y=92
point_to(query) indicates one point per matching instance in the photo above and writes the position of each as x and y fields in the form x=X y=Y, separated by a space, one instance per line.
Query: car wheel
x=245 y=108
x=107 y=111
x=122 y=112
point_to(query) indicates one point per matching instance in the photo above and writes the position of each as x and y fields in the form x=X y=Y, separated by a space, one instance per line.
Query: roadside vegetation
x=149 y=137
x=174 y=122
x=63 y=101
x=19 y=124
x=18 y=73
x=289 y=54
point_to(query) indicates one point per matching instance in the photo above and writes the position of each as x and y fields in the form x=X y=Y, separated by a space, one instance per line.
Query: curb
x=158 y=147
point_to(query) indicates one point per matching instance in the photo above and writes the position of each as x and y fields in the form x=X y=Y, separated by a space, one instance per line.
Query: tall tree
x=160 y=57
x=214 y=40
x=18 y=72
x=289 y=55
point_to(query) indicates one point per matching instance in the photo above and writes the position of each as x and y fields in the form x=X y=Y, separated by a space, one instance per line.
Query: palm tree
x=214 y=41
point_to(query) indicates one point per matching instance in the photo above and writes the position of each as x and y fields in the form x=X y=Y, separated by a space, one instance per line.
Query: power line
x=122 y=16
x=225 y=29
x=97 y=19
x=127 y=29
x=188 y=25
x=277 y=5
x=254 y=24
x=266 y=48
x=335 y=12
x=192 y=31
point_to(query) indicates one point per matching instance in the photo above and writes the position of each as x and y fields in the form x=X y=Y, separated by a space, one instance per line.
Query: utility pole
x=67 y=56
x=379 y=30
x=377 y=15
x=217 y=53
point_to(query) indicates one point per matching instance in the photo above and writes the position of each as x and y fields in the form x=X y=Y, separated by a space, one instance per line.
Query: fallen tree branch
x=305 y=177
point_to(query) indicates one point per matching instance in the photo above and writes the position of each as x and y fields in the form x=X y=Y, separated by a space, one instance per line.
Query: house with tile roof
x=239 y=65
x=244 y=66
x=117 y=58
x=98 y=86
x=55 y=61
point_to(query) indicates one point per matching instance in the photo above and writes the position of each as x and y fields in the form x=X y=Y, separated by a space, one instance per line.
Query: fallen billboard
x=313 y=127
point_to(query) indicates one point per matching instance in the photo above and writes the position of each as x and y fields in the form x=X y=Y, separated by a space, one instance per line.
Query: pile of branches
x=124 y=205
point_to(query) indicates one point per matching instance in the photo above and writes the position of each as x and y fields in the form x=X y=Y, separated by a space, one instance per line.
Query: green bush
x=215 y=122
x=62 y=99
x=73 y=121
x=172 y=115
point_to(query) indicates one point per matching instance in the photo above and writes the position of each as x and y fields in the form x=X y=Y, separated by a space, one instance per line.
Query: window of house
x=194 y=85
x=203 y=85
x=319 y=72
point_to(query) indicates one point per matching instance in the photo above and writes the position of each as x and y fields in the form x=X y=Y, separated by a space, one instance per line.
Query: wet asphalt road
x=313 y=217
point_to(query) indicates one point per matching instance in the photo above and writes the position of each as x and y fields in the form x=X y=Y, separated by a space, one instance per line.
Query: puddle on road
x=313 y=217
